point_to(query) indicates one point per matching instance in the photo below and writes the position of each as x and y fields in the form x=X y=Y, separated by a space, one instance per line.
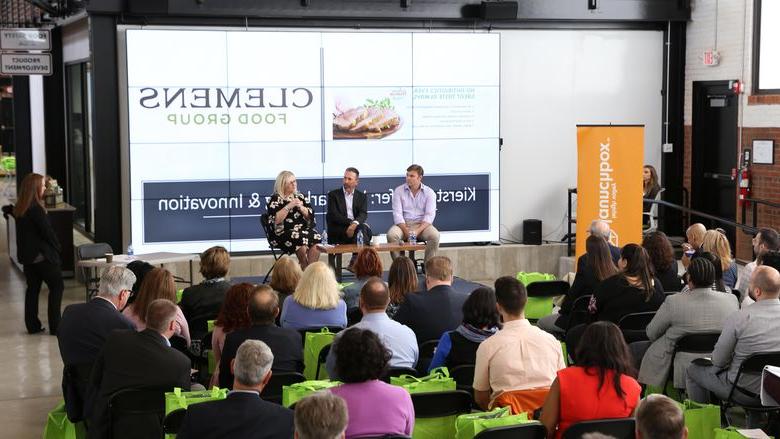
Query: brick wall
x=759 y=116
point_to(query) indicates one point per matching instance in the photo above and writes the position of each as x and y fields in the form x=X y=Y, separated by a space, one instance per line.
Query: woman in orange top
x=601 y=385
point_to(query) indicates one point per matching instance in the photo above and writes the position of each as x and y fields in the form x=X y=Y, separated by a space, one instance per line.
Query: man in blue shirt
x=398 y=338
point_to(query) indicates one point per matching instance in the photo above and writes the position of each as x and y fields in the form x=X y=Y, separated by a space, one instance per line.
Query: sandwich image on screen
x=375 y=119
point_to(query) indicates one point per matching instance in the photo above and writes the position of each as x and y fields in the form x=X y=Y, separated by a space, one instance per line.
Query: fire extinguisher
x=744 y=180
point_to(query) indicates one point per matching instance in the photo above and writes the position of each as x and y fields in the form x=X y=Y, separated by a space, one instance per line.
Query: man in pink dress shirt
x=414 y=209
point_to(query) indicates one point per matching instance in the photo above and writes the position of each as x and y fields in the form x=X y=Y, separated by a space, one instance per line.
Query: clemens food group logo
x=223 y=105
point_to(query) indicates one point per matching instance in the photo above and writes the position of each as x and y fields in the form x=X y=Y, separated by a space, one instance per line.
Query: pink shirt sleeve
x=218 y=342
x=184 y=328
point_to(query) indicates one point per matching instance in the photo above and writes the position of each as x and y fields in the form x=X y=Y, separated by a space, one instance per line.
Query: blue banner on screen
x=213 y=116
x=225 y=210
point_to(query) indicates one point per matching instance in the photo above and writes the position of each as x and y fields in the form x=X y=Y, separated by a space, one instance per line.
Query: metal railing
x=754 y=203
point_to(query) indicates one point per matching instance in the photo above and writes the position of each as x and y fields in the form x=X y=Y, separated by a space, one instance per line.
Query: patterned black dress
x=295 y=230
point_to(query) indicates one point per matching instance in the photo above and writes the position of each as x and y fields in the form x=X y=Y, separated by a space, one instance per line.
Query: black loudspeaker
x=532 y=232
x=498 y=10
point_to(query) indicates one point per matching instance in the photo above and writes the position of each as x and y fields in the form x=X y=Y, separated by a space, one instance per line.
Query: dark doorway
x=79 y=143
x=714 y=153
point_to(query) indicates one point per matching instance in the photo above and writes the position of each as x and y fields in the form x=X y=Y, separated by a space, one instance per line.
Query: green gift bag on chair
x=434 y=428
x=181 y=400
x=467 y=426
x=527 y=278
x=58 y=426
x=312 y=346
x=701 y=419
x=292 y=393
x=438 y=380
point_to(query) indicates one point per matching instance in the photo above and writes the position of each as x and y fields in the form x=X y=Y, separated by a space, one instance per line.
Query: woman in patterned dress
x=292 y=220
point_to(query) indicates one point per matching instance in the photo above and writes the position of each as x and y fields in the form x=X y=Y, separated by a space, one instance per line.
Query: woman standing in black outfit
x=39 y=252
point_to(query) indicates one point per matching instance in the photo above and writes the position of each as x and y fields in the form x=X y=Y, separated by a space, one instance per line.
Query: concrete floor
x=30 y=365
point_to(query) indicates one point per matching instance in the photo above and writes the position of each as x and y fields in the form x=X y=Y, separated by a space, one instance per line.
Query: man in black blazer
x=134 y=360
x=285 y=343
x=83 y=331
x=243 y=414
x=347 y=211
x=433 y=312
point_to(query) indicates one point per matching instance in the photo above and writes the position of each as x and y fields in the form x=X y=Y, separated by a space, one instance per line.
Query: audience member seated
x=699 y=310
x=375 y=407
x=765 y=240
x=233 y=316
x=716 y=243
x=480 y=321
x=132 y=360
x=200 y=303
x=437 y=310
x=83 y=330
x=397 y=338
x=402 y=280
x=518 y=357
x=285 y=343
x=316 y=302
x=139 y=269
x=157 y=284
x=285 y=277
x=600 y=386
x=597 y=267
x=770 y=259
x=650 y=189
x=751 y=330
x=695 y=236
x=600 y=229
x=321 y=415
x=291 y=218
x=243 y=414
x=662 y=259
x=367 y=264
x=718 y=285
x=632 y=290
x=660 y=417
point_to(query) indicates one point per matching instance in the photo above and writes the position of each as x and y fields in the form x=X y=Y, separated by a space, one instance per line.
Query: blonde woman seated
x=715 y=242
x=157 y=284
x=292 y=220
x=285 y=277
x=316 y=302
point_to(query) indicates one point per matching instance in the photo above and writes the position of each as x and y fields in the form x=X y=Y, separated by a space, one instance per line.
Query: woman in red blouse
x=600 y=386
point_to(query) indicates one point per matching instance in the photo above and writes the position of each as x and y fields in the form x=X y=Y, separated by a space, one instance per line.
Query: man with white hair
x=601 y=229
x=243 y=414
x=83 y=331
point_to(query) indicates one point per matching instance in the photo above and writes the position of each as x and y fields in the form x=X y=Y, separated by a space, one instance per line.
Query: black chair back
x=697 y=343
x=75 y=382
x=464 y=377
x=440 y=404
x=272 y=392
x=579 y=314
x=547 y=288
x=619 y=428
x=134 y=413
x=269 y=233
x=521 y=431
x=754 y=365
x=321 y=359
x=738 y=295
x=634 y=325
x=173 y=421
x=426 y=350
x=398 y=371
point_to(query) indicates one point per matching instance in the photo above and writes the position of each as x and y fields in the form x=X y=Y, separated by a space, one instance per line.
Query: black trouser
x=37 y=273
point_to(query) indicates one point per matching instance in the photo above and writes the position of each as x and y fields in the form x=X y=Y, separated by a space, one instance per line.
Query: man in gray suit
x=751 y=330
x=699 y=310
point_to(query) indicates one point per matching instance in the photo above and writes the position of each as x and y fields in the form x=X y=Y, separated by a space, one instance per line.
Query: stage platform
x=481 y=264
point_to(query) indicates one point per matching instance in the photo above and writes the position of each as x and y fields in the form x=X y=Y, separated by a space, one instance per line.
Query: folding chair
x=134 y=413
x=272 y=392
x=532 y=430
x=753 y=364
x=540 y=297
x=276 y=252
x=652 y=215
x=92 y=275
x=623 y=428
x=634 y=325
x=440 y=404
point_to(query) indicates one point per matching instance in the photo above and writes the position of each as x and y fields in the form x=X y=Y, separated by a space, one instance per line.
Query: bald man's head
x=695 y=234
x=263 y=305
x=600 y=228
x=765 y=283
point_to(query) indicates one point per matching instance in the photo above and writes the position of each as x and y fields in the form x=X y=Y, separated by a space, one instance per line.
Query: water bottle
x=360 y=238
x=412 y=237
x=324 y=237
x=130 y=250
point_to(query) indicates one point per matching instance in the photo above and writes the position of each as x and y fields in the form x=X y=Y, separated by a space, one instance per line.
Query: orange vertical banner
x=609 y=181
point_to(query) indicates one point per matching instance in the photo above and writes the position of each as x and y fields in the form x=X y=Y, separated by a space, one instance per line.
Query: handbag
x=294 y=392
x=312 y=346
x=467 y=426
x=438 y=380
x=58 y=426
x=181 y=400
x=701 y=419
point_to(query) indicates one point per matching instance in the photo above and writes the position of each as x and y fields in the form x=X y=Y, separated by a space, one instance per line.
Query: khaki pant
x=430 y=235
